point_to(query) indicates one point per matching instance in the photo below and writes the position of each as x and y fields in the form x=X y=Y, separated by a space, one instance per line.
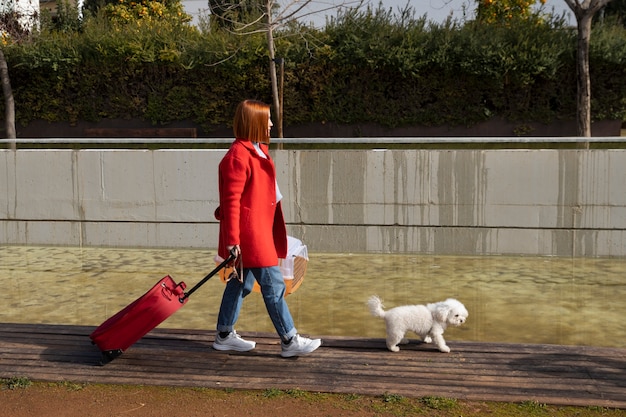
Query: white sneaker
x=233 y=342
x=299 y=346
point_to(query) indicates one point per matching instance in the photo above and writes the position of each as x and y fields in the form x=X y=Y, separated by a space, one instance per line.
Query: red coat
x=248 y=213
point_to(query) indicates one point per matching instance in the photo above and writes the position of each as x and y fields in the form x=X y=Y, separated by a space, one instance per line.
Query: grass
x=387 y=404
x=390 y=404
x=15 y=383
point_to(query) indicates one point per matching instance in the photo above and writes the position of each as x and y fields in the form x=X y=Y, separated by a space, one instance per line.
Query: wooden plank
x=575 y=375
x=389 y=368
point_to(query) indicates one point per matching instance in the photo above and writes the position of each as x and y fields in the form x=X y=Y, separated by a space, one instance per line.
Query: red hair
x=252 y=121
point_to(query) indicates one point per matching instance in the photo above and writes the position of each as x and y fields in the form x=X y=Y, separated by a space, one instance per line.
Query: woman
x=252 y=223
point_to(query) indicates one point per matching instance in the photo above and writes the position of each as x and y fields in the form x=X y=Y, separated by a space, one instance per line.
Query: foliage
x=230 y=14
x=448 y=70
x=14 y=25
x=144 y=61
x=608 y=61
x=615 y=9
x=91 y=7
x=67 y=18
x=273 y=392
x=504 y=11
x=439 y=403
x=324 y=403
x=16 y=382
x=392 y=398
x=147 y=12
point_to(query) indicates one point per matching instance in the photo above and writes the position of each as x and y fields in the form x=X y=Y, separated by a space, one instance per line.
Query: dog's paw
x=444 y=349
x=393 y=348
x=428 y=339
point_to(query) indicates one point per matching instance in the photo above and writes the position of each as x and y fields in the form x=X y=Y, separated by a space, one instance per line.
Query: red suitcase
x=130 y=324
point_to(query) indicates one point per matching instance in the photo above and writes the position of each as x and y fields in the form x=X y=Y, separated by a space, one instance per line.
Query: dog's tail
x=376 y=306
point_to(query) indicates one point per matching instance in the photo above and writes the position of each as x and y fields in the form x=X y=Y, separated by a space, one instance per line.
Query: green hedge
x=363 y=67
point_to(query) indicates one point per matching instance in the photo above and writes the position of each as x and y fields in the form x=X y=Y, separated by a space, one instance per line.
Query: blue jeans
x=272 y=285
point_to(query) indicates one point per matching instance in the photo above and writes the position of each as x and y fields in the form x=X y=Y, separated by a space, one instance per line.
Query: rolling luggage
x=130 y=324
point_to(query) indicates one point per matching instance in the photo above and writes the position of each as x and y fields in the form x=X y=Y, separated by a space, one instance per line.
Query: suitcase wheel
x=109 y=355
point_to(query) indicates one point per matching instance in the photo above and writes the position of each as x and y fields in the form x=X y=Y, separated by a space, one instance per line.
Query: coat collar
x=250 y=146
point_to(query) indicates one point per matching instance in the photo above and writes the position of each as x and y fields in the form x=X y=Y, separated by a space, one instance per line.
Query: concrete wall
x=532 y=202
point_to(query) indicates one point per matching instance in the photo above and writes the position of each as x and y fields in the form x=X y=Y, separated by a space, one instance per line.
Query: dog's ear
x=441 y=311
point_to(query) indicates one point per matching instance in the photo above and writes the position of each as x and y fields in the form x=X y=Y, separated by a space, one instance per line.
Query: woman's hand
x=235 y=250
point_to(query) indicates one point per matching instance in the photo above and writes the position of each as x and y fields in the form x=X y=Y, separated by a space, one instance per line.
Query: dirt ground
x=76 y=400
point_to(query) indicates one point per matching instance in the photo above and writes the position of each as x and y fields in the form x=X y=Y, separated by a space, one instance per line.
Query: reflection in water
x=510 y=299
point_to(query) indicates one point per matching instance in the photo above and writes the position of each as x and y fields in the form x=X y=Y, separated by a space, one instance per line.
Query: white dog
x=427 y=321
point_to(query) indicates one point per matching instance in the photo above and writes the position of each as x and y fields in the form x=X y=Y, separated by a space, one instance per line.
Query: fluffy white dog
x=427 y=321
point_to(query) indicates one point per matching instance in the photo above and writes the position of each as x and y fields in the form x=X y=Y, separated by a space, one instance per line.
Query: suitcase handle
x=231 y=257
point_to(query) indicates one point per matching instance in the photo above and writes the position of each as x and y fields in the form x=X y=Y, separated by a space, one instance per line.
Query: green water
x=509 y=299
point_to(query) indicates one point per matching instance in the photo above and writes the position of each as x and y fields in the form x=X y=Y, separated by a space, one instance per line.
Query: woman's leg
x=234 y=293
x=273 y=289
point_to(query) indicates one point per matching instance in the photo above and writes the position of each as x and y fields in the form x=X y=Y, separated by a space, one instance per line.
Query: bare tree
x=9 y=105
x=15 y=22
x=584 y=10
x=267 y=17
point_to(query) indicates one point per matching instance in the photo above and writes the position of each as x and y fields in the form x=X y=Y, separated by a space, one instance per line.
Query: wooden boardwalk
x=559 y=375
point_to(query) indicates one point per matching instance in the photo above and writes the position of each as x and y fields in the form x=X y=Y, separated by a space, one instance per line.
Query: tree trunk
x=583 y=76
x=273 y=77
x=9 y=105
x=584 y=12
